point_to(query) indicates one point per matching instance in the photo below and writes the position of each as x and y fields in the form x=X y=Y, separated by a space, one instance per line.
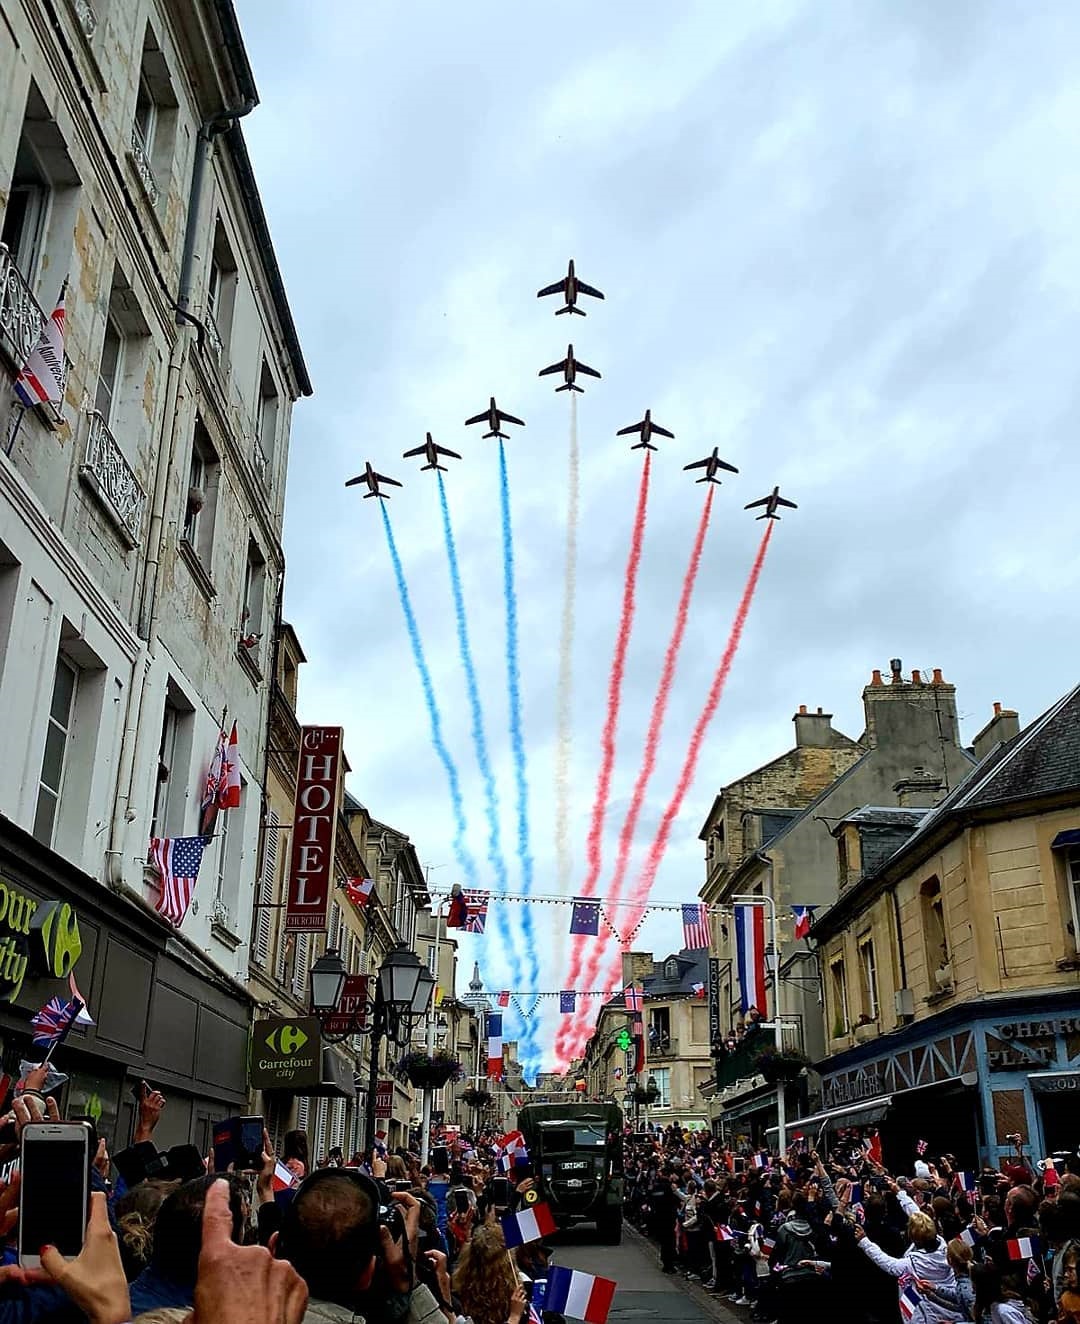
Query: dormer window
x=671 y=969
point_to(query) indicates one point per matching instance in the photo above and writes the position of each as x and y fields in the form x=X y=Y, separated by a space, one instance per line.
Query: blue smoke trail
x=491 y=798
x=517 y=742
x=461 y=852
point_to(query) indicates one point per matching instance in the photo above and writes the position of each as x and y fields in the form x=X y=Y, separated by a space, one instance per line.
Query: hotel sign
x=311 y=859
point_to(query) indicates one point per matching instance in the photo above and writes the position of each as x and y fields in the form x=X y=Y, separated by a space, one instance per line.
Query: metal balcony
x=21 y=319
x=140 y=157
x=109 y=476
x=664 y=1047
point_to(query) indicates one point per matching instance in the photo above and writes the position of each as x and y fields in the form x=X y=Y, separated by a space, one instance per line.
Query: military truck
x=576 y=1154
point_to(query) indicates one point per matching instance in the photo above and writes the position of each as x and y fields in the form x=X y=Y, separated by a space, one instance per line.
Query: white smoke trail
x=565 y=692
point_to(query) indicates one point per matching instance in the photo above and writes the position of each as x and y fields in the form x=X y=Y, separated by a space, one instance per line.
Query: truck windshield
x=563 y=1140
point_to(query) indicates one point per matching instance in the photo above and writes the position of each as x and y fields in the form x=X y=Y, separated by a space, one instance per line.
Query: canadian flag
x=230 y=796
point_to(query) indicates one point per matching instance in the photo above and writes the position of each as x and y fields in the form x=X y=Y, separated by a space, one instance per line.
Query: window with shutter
x=319 y=1151
x=362 y=961
x=337 y=1129
x=303 y=1112
x=264 y=916
x=281 y=966
x=334 y=926
x=300 y=965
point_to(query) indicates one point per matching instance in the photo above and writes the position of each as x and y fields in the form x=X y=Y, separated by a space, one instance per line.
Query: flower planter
x=428 y=1073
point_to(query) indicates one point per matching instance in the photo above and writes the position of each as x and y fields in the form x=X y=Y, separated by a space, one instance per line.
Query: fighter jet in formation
x=648 y=430
x=493 y=416
x=570 y=287
x=373 y=480
x=711 y=463
x=431 y=452
x=569 y=367
x=770 y=503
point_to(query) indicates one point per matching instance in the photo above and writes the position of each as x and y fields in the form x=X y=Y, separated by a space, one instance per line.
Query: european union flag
x=585 y=916
x=567 y=1001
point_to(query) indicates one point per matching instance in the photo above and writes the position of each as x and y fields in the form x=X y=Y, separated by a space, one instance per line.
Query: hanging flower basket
x=777 y=1064
x=474 y=1098
x=428 y=1073
x=646 y=1094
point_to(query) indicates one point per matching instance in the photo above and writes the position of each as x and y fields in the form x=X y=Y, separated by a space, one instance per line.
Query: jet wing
x=591 y=372
x=443 y=450
x=509 y=418
x=558 y=288
x=480 y=418
x=382 y=478
x=634 y=427
x=723 y=464
x=588 y=289
x=783 y=501
x=555 y=367
x=662 y=432
x=763 y=502
x=407 y=455
x=358 y=479
x=698 y=464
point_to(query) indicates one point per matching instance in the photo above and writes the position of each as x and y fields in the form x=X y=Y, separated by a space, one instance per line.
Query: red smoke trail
x=647 y=877
x=648 y=763
x=611 y=722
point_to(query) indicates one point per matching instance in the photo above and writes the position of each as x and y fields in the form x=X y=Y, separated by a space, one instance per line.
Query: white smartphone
x=54 y=1190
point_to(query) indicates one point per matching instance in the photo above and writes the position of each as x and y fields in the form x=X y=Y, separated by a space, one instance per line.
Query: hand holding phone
x=54 y=1194
x=95 y=1279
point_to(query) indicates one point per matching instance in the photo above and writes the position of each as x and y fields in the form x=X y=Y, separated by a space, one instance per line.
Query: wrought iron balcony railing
x=21 y=318
x=109 y=476
x=140 y=156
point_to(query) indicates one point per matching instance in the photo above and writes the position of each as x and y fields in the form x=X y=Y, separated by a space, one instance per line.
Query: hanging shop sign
x=351 y=1016
x=311 y=858
x=1065 y=1083
x=715 y=1034
x=286 y=1053
x=384 y=1099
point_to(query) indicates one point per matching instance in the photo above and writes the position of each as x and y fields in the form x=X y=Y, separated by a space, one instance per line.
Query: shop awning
x=868 y=1112
x=1070 y=837
x=338 y=1079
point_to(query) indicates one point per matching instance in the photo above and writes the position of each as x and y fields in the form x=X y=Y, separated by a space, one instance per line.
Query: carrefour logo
x=286 y=1040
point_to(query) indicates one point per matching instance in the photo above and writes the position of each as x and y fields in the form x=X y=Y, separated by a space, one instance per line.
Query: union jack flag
x=54 y=1020
x=476 y=904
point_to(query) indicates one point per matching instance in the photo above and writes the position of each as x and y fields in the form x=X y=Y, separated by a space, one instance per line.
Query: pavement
x=643 y=1294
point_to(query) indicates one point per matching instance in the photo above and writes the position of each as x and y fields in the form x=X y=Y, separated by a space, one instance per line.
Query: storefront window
x=96 y=1096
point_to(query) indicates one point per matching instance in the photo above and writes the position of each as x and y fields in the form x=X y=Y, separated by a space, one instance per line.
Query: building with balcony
x=908 y=758
x=140 y=518
x=952 y=963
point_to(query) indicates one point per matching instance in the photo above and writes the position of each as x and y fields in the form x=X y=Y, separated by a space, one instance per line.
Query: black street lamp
x=328 y=976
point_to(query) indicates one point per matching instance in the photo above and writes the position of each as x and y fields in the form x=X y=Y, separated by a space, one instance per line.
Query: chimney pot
x=916 y=677
x=997 y=709
x=819 y=709
x=802 y=708
x=875 y=677
x=894 y=667
x=937 y=677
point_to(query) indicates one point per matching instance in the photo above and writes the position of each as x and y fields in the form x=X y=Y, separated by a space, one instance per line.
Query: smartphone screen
x=461 y=1201
x=249 y=1150
x=500 y=1192
x=54 y=1190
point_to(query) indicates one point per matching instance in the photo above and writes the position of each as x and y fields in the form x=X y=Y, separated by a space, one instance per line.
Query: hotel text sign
x=311 y=858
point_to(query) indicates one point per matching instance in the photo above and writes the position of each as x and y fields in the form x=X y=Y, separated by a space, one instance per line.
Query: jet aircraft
x=648 y=430
x=770 y=503
x=432 y=452
x=493 y=416
x=711 y=463
x=569 y=368
x=570 y=287
x=373 y=480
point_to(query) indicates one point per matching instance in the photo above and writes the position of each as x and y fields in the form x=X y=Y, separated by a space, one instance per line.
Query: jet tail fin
x=641 y=445
x=573 y=388
x=503 y=436
x=569 y=308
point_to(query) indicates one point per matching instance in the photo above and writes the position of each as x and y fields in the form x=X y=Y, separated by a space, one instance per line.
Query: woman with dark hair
x=294 y=1149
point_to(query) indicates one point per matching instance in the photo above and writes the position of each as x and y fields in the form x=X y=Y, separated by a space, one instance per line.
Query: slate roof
x=693 y=969
x=885 y=815
x=1044 y=759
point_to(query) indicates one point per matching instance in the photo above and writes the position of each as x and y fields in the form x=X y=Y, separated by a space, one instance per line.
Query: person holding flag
x=926 y=1258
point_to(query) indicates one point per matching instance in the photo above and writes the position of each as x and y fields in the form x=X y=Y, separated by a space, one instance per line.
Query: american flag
x=695 y=927
x=476 y=904
x=633 y=998
x=177 y=861
x=54 y=1020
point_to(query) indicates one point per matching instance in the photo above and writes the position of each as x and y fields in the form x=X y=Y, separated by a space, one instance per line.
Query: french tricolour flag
x=910 y=1301
x=533 y=1223
x=579 y=1295
x=969 y=1237
x=1023 y=1248
x=761 y=1160
x=750 y=946
x=283 y=1179
x=965 y=1180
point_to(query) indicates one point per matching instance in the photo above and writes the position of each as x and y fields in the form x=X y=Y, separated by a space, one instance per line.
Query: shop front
x=161 y=1011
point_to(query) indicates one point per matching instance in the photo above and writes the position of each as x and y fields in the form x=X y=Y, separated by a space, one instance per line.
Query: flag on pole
x=504 y=998
x=533 y=1223
x=54 y=1020
x=283 y=1179
x=969 y=1236
x=476 y=904
x=695 y=927
x=215 y=788
x=585 y=916
x=750 y=949
x=760 y=1160
x=567 y=1002
x=456 y=914
x=579 y=1295
x=84 y=1018
x=230 y=796
x=1023 y=1248
x=42 y=378
x=177 y=861
x=633 y=997
x=804 y=917
x=495 y=1045
x=359 y=890
x=965 y=1180
x=698 y=991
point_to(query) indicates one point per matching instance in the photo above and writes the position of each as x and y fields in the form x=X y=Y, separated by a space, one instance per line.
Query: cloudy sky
x=838 y=241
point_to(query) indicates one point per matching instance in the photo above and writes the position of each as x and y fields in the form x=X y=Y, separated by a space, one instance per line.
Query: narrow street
x=644 y=1293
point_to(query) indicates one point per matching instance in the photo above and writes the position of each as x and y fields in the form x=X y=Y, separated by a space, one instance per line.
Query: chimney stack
x=911 y=714
x=1000 y=729
x=813 y=730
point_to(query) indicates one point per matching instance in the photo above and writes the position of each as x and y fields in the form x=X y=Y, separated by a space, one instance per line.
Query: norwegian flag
x=177 y=861
x=633 y=997
x=476 y=904
x=54 y=1020
x=359 y=890
x=695 y=927
x=41 y=380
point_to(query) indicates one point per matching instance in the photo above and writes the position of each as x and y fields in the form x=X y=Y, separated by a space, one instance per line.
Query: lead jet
x=770 y=503
x=373 y=480
x=648 y=429
x=432 y=452
x=493 y=416
x=711 y=463
x=570 y=287
x=569 y=368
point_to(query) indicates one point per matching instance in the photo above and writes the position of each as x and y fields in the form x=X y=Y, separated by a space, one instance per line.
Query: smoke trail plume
x=565 y=690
